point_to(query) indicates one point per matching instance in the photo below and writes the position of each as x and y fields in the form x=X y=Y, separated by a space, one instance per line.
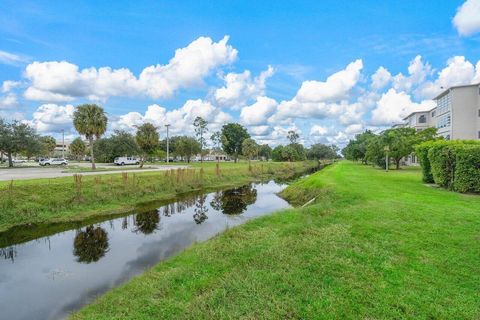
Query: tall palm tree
x=91 y=121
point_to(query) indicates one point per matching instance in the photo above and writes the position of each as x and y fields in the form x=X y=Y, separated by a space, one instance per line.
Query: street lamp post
x=168 y=147
x=386 y=149
x=63 y=143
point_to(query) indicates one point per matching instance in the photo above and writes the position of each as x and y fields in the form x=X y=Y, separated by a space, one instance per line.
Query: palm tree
x=91 y=121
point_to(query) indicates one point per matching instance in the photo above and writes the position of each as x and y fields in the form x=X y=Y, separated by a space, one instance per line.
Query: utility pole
x=168 y=147
x=387 y=160
x=63 y=143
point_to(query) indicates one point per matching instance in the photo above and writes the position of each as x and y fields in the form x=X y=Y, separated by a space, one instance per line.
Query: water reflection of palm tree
x=234 y=201
x=91 y=244
x=147 y=222
x=200 y=210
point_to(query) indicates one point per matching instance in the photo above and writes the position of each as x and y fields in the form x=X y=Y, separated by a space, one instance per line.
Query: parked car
x=53 y=162
x=19 y=161
x=121 y=161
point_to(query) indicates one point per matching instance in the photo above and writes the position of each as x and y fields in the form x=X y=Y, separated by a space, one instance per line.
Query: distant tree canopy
x=249 y=148
x=201 y=128
x=16 y=137
x=371 y=148
x=120 y=143
x=187 y=147
x=265 y=151
x=78 y=148
x=321 y=151
x=47 y=145
x=233 y=135
x=148 y=140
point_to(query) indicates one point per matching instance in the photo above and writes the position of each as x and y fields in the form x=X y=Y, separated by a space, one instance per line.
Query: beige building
x=458 y=112
x=456 y=116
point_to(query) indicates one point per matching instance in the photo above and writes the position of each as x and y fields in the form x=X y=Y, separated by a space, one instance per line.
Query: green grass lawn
x=62 y=200
x=374 y=245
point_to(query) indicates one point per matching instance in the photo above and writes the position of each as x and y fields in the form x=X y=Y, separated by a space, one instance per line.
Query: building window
x=444 y=121
x=433 y=114
x=443 y=104
x=479 y=112
x=422 y=119
x=447 y=137
x=478 y=134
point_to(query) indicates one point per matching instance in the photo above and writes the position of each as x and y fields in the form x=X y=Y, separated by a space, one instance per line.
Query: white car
x=121 y=161
x=18 y=161
x=53 y=162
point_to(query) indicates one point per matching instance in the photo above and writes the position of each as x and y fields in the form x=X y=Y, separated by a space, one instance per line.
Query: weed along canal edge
x=76 y=261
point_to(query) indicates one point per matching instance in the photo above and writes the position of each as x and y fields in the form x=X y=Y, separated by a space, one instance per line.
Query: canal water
x=51 y=276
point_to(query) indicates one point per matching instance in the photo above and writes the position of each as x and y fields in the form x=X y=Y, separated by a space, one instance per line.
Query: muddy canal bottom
x=52 y=276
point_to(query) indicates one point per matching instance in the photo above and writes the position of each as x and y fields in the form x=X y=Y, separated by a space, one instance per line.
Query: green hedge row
x=454 y=165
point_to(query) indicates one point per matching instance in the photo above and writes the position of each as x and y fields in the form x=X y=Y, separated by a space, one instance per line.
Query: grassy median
x=85 y=196
x=374 y=245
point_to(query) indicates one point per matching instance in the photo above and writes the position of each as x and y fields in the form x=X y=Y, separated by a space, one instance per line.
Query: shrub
x=421 y=151
x=467 y=169
x=442 y=163
x=452 y=164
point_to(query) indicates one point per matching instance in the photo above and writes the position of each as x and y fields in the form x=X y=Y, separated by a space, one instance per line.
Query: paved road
x=55 y=172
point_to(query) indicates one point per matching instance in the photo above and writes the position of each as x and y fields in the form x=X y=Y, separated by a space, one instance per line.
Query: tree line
x=17 y=138
x=91 y=121
x=371 y=148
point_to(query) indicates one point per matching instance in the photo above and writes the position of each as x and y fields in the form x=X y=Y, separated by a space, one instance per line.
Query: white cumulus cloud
x=259 y=112
x=467 y=18
x=64 y=81
x=393 y=106
x=51 y=117
x=241 y=87
x=336 y=87
x=180 y=119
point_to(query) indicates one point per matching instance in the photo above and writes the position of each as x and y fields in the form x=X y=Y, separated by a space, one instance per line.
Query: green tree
x=249 y=149
x=277 y=153
x=375 y=152
x=91 y=121
x=120 y=143
x=233 y=135
x=147 y=139
x=401 y=142
x=186 y=147
x=33 y=147
x=265 y=151
x=321 y=151
x=217 y=142
x=14 y=138
x=292 y=136
x=356 y=149
x=201 y=129
x=78 y=148
x=290 y=153
x=48 y=144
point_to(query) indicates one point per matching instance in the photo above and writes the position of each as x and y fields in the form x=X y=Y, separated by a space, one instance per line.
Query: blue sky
x=302 y=41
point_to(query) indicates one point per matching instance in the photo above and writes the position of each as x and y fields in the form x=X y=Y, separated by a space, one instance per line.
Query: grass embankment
x=73 y=199
x=374 y=245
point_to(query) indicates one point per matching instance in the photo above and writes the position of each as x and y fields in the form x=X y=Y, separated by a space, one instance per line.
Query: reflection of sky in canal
x=51 y=276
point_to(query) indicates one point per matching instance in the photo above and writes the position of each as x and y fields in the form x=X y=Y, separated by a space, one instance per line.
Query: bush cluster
x=454 y=165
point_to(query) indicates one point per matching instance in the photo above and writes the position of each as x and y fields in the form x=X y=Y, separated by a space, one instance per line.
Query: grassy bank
x=374 y=245
x=77 y=198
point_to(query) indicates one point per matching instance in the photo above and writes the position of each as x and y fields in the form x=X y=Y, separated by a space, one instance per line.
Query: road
x=55 y=172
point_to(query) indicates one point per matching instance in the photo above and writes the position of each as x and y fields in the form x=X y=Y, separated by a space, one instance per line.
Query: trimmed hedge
x=454 y=165
x=467 y=169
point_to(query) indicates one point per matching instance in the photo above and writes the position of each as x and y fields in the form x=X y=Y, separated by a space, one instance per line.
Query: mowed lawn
x=374 y=245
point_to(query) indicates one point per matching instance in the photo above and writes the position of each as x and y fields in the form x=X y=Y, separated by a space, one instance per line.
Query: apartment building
x=456 y=116
x=458 y=112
